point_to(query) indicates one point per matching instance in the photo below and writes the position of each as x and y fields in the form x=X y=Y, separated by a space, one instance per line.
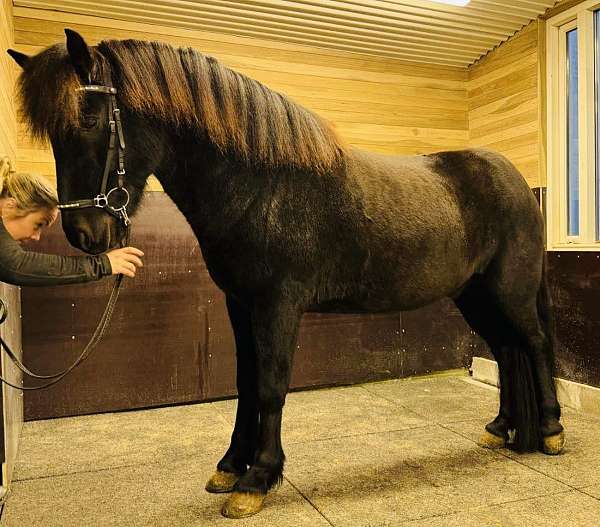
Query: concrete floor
x=382 y=454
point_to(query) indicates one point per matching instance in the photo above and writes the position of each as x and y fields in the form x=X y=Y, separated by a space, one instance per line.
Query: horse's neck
x=213 y=192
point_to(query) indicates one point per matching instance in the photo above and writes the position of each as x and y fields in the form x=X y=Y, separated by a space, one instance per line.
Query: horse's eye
x=89 y=121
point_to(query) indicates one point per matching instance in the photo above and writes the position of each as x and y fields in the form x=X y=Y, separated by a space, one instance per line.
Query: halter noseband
x=116 y=143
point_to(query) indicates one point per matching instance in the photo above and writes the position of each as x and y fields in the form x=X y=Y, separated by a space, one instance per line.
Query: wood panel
x=574 y=281
x=11 y=400
x=377 y=104
x=151 y=352
x=504 y=103
x=8 y=127
x=412 y=30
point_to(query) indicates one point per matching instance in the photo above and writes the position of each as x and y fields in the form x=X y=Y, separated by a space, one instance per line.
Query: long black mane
x=185 y=88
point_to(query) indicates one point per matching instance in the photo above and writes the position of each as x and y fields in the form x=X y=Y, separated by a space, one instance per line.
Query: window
x=573 y=128
x=572 y=103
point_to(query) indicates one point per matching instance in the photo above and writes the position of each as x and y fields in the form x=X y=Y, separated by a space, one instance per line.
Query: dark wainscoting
x=575 y=288
x=574 y=278
x=170 y=340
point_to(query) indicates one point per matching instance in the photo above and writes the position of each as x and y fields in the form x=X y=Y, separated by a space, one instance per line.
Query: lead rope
x=94 y=340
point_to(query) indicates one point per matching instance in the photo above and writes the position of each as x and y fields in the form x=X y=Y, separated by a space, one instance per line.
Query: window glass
x=572 y=135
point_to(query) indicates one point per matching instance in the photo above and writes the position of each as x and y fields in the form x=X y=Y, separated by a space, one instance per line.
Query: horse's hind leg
x=518 y=284
x=245 y=432
x=481 y=313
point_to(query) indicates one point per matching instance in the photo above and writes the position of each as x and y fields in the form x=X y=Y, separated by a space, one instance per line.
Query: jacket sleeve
x=28 y=268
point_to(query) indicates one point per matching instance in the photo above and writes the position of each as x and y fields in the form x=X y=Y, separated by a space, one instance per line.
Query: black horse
x=290 y=220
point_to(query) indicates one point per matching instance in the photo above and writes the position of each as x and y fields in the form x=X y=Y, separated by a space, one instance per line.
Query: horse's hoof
x=488 y=440
x=222 y=482
x=243 y=504
x=553 y=445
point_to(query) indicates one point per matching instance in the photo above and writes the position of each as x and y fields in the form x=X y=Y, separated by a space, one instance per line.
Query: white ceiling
x=415 y=30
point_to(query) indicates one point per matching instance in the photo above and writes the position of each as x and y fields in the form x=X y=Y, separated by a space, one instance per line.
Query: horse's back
x=480 y=186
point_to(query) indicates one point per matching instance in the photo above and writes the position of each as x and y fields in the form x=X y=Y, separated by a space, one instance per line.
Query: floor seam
x=488 y=506
x=581 y=490
x=332 y=438
x=93 y=471
x=116 y=467
x=395 y=403
x=516 y=460
x=307 y=499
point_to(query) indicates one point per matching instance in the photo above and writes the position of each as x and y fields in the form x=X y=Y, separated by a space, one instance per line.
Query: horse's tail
x=524 y=394
x=524 y=411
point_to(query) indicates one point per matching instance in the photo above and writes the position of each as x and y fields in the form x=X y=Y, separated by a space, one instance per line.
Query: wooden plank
x=207 y=41
x=560 y=8
x=523 y=39
x=292 y=35
x=509 y=123
x=511 y=143
x=261 y=69
x=503 y=102
x=503 y=90
x=526 y=59
x=514 y=104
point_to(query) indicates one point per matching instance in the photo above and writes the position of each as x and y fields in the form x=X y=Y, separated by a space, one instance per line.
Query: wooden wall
x=504 y=105
x=8 y=128
x=11 y=400
x=377 y=104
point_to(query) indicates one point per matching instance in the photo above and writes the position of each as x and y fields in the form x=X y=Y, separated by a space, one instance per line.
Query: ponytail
x=30 y=192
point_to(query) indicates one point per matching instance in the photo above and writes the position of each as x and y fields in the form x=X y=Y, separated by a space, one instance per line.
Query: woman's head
x=27 y=202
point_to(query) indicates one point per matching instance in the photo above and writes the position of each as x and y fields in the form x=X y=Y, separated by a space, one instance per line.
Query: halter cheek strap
x=114 y=201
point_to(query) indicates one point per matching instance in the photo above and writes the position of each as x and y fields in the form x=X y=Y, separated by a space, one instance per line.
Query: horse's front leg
x=244 y=438
x=275 y=330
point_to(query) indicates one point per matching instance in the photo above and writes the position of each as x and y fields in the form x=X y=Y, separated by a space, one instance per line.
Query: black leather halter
x=114 y=201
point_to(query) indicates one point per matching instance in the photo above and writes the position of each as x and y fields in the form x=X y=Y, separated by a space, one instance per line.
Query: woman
x=27 y=206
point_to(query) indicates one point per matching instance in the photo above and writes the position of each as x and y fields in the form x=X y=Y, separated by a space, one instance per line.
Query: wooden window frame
x=582 y=18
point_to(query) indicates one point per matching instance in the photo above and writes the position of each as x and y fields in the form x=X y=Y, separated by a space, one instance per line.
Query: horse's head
x=78 y=124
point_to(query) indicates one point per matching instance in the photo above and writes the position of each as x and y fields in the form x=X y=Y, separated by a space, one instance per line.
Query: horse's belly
x=395 y=285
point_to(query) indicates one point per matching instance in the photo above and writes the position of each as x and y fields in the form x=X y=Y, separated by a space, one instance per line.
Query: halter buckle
x=101 y=201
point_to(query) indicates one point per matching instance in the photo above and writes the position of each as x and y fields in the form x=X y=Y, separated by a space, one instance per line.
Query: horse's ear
x=20 y=58
x=80 y=53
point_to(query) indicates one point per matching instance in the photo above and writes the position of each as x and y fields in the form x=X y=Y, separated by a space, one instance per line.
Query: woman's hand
x=125 y=261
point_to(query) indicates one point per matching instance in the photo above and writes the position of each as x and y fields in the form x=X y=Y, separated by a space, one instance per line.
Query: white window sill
x=574 y=247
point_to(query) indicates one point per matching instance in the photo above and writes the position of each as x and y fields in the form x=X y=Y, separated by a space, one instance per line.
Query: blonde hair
x=30 y=192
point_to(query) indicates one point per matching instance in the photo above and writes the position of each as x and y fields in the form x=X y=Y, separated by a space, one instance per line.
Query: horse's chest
x=236 y=268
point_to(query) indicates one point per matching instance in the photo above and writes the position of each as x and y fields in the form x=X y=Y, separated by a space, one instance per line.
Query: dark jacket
x=21 y=267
